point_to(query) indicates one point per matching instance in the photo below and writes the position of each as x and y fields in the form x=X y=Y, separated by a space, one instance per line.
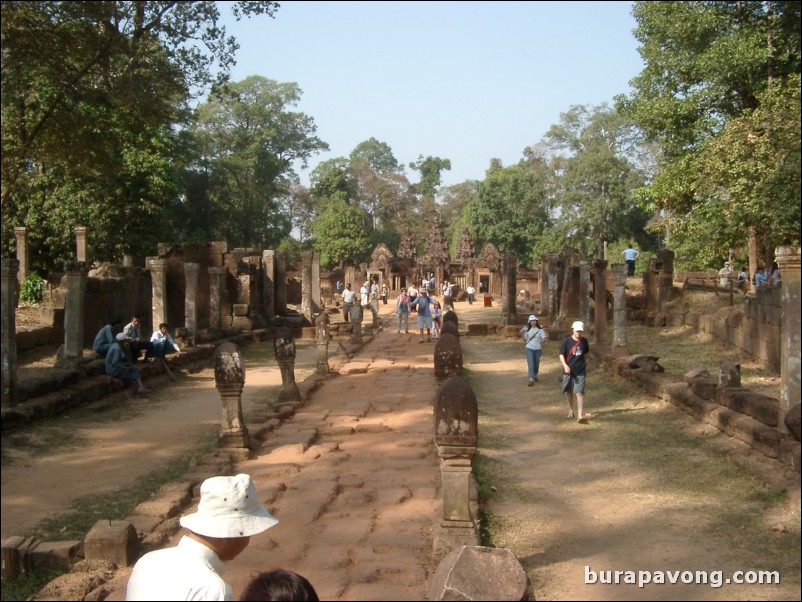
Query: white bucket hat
x=532 y=317
x=578 y=326
x=228 y=508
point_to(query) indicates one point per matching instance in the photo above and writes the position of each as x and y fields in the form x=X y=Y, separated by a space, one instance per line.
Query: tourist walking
x=402 y=310
x=424 y=306
x=573 y=351
x=348 y=301
x=533 y=336
x=630 y=255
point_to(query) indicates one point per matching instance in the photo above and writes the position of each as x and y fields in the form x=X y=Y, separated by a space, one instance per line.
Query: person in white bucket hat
x=228 y=514
x=573 y=351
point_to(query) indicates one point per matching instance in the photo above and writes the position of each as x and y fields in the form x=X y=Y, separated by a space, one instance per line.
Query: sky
x=464 y=81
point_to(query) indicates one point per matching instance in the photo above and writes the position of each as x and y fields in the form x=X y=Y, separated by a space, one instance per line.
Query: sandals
x=570 y=415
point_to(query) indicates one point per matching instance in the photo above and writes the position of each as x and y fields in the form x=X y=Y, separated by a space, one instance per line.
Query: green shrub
x=31 y=289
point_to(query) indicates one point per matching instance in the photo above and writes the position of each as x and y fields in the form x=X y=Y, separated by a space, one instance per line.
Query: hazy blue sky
x=465 y=81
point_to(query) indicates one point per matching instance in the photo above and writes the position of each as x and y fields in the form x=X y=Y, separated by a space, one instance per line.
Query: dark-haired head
x=279 y=585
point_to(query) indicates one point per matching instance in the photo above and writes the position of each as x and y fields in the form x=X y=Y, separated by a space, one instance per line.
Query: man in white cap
x=118 y=364
x=229 y=513
x=573 y=351
x=725 y=274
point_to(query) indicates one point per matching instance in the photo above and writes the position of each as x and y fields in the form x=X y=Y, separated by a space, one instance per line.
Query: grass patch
x=86 y=511
x=27 y=584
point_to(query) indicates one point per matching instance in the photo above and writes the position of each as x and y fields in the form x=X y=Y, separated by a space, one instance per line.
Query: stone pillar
x=788 y=261
x=23 y=252
x=269 y=284
x=357 y=314
x=455 y=436
x=585 y=266
x=216 y=286
x=322 y=338
x=281 y=285
x=317 y=302
x=306 y=287
x=190 y=299
x=600 y=298
x=81 y=233
x=229 y=378
x=620 y=305
x=8 y=332
x=509 y=310
x=665 y=277
x=158 y=287
x=128 y=261
x=551 y=295
x=284 y=345
x=447 y=356
x=75 y=276
x=569 y=298
x=650 y=287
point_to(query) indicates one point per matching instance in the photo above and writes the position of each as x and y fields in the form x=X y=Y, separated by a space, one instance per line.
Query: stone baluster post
x=284 y=345
x=584 y=291
x=190 y=299
x=158 y=287
x=306 y=287
x=75 y=277
x=600 y=298
x=81 y=234
x=509 y=310
x=8 y=332
x=552 y=286
x=665 y=277
x=317 y=300
x=788 y=261
x=455 y=435
x=357 y=314
x=322 y=338
x=269 y=284
x=23 y=253
x=447 y=356
x=229 y=378
x=620 y=305
x=216 y=287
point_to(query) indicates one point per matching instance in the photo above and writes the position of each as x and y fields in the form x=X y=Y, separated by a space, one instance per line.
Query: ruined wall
x=753 y=327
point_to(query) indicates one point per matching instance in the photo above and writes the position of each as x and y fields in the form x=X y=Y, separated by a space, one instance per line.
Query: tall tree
x=706 y=63
x=249 y=141
x=86 y=83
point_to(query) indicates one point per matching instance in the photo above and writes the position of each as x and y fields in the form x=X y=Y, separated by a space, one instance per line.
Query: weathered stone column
x=569 y=298
x=551 y=296
x=665 y=277
x=306 y=287
x=509 y=310
x=81 y=233
x=229 y=378
x=75 y=276
x=158 y=287
x=23 y=252
x=788 y=261
x=600 y=299
x=216 y=287
x=585 y=266
x=455 y=435
x=8 y=332
x=620 y=305
x=447 y=356
x=269 y=284
x=317 y=302
x=322 y=338
x=357 y=314
x=284 y=345
x=191 y=271
x=281 y=285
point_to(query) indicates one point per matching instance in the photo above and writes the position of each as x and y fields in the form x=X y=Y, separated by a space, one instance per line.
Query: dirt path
x=354 y=479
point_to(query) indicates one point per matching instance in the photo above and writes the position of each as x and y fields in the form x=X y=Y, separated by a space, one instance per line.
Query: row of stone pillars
x=23 y=249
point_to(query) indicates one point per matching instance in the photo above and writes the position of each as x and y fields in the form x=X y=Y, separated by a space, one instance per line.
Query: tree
x=248 y=141
x=340 y=234
x=706 y=63
x=508 y=210
x=430 y=170
x=594 y=194
x=85 y=86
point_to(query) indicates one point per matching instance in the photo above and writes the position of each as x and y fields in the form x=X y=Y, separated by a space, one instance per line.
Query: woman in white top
x=533 y=336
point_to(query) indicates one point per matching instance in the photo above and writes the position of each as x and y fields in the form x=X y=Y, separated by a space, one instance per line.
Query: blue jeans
x=533 y=359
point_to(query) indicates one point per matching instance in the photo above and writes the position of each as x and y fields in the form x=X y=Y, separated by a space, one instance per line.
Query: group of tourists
x=122 y=347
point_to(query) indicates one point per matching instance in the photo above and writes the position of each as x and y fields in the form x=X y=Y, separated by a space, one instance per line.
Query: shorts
x=572 y=383
x=425 y=322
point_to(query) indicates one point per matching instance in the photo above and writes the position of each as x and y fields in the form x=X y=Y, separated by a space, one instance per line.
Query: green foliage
x=430 y=170
x=508 y=211
x=340 y=234
x=27 y=584
x=31 y=289
x=290 y=248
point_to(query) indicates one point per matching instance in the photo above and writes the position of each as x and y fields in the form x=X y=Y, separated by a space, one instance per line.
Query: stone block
x=480 y=573
x=55 y=555
x=112 y=540
x=793 y=421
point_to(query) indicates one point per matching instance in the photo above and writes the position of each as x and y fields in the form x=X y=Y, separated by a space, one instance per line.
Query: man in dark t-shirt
x=573 y=351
